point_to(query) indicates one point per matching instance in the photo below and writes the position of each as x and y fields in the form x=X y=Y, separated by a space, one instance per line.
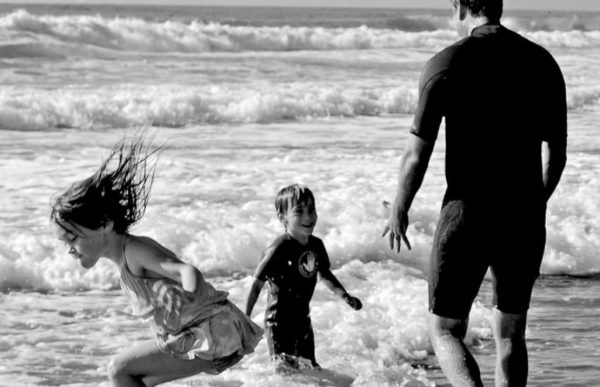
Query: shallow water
x=67 y=338
x=562 y=334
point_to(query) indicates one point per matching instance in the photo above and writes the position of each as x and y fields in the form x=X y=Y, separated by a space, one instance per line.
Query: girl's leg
x=145 y=365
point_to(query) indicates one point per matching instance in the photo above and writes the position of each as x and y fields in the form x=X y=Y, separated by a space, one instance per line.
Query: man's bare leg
x=511 y=350
x=458 y=364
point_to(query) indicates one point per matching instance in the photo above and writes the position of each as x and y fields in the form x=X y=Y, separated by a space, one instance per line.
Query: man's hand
x=352 y=301
x=397 y=225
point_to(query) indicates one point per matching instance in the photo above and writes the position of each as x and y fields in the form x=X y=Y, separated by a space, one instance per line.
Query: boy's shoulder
x=281 y=240
x=279 y=243
x=285 y=241
x=314 y=239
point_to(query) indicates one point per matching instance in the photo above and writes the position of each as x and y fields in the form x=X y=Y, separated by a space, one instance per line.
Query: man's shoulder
x=530 y=45
x=535 y=56
x=442 y=61
x=447 y=54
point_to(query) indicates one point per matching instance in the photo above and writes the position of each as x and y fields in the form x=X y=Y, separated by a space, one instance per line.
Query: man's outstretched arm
x=413 y=166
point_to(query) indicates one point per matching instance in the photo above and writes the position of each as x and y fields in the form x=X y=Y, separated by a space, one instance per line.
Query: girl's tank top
x=164 y=303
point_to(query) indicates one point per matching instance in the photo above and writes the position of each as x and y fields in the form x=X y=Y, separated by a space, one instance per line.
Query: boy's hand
x=352 y=301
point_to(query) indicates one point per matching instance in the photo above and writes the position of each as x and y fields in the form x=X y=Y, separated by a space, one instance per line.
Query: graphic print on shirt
x=169 y=302
x=306 y=264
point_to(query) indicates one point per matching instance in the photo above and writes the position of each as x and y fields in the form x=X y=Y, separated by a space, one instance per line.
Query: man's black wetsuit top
x=501 y=96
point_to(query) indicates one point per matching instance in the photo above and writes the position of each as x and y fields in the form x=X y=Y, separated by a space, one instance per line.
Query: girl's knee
x=117 y=370
x=112 y=369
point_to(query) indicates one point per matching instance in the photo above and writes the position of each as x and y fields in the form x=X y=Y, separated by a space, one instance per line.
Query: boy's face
x=85 y=245
x=300 y=220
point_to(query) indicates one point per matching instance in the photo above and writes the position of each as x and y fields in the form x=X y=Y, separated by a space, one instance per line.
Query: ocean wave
x=228 y=241
x=212 y=201
x=59 y=33
x=132 y=105
x=178 y=106
x=565 y=39
x=131 y=34
x=554 y=22
x=583 y=97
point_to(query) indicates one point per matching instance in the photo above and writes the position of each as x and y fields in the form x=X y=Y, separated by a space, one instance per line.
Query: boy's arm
x=333 y=284
x=259 y=275
x=253 y=294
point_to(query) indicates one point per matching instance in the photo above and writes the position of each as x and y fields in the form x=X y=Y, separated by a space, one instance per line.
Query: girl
x=197 y=329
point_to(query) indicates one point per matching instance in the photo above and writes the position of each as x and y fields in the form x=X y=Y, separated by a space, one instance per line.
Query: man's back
x=501 y=96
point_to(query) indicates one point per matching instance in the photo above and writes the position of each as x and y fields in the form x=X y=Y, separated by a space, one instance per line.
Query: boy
x=290 y=266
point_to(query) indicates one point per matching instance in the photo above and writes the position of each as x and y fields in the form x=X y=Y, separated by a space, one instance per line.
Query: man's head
x=464 y=11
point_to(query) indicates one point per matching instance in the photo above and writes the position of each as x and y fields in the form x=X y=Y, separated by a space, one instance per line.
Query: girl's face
x=300 y=220
x=85 y=245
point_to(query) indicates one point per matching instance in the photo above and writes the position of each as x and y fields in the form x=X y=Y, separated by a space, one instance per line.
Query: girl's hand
x=352 y=301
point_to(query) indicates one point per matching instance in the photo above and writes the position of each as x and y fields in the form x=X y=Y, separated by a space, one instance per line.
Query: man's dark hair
x=492 y=9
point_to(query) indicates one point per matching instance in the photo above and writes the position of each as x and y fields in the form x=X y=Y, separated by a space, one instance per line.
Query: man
x=503 y=100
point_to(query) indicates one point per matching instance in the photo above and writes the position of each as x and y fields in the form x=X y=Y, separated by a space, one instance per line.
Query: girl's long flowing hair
x=117 y=192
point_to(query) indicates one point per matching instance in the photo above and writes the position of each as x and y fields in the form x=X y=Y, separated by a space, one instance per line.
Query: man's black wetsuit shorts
x=469 y=240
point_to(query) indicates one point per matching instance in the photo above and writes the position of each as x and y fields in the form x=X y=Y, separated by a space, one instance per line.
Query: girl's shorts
x=223 y=338
x=223 y=363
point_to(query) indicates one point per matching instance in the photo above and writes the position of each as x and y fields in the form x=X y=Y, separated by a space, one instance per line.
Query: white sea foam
x=172 y=36
x=566 y=39
x=178 y=106
x=75 y=334
x=97 y=72
x=212 y=200
x=37 y=32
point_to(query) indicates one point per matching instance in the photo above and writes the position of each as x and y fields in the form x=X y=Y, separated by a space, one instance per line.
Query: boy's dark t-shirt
x=291 y=269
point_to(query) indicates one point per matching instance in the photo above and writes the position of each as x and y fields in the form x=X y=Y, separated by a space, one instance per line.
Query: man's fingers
x=405 y=239
x=396 y=236
x=385 y=230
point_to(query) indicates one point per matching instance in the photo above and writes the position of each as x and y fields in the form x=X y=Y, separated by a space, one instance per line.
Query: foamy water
x=87 y=71
x=245 y=105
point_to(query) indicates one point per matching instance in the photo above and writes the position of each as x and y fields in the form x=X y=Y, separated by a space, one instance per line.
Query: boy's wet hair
x=290 y=196
x=117 y=192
